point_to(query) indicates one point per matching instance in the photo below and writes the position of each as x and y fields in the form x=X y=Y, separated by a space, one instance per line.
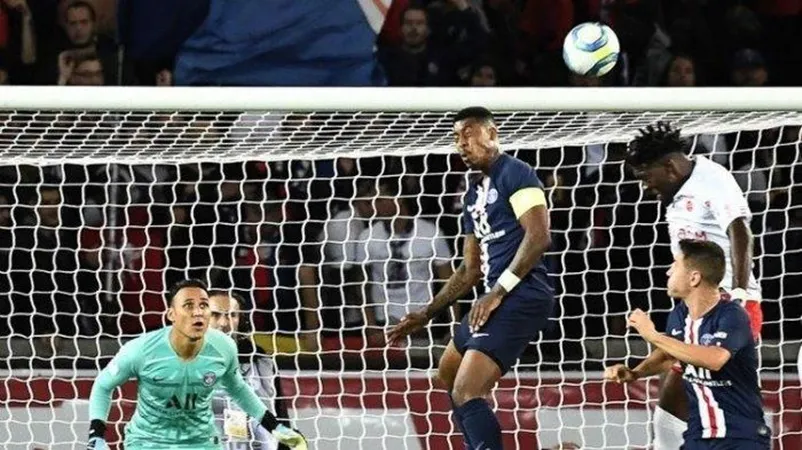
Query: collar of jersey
x=684 y=181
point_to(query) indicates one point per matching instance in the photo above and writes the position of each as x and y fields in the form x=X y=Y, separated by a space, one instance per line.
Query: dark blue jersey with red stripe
x=489 y=215
x=727 y=403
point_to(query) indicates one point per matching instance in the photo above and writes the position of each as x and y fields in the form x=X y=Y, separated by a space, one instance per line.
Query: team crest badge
x=706 y=339
x=209 y=378
x=492 y=196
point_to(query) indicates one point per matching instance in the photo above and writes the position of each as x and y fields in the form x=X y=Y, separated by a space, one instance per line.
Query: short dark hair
x=655 y=142
x=706 y=257
x=190 y=283
x=479 y=113
x=78 y=4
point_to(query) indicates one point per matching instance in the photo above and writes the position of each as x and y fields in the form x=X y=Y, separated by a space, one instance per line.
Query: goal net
x=102 y=208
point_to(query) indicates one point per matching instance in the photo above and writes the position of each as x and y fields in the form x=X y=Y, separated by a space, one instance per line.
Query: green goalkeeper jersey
x=174 y=396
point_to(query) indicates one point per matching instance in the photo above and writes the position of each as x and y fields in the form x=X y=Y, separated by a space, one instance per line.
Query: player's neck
x=701 y=301
x=486 y=170
x=183 y=346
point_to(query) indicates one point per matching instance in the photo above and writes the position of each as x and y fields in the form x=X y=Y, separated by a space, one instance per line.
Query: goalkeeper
x=178 y=369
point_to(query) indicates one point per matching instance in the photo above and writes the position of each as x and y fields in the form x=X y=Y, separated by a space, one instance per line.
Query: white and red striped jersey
x=724 y=404
x=704 y=207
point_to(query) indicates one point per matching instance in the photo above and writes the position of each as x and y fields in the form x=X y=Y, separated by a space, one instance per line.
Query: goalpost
x=107 y=195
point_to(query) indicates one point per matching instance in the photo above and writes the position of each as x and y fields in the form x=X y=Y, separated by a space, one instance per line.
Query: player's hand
x=290 y=437
x=97 y=443
x=753 y=309
x=411 y=323
x=619 y=373
x=640 y=321
x=482 y=310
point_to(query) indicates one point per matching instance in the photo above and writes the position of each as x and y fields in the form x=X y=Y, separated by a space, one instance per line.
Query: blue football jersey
x=489 y=215
x=727 y=403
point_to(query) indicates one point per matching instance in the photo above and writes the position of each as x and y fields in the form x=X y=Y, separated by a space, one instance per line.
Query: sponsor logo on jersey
x=209 y=378
x=492 y=196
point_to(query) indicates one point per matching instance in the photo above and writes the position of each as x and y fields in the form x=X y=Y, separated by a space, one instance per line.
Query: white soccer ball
x=591 y=49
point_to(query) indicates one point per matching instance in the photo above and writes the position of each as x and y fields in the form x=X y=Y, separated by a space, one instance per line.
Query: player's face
x=476 y=142
x=224 y=313
x=681 y=278
x=657 y=178
x=190 y=313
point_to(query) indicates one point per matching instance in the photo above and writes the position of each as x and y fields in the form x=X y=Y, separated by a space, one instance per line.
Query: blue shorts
x=726 y=444
x=518 y=321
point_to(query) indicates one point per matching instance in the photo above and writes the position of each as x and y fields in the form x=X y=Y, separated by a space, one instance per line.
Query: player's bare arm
x=656 y=363
x=536 y=241
x=741 y=244
x=467 y=275
x=708 y=357
x=741 y=253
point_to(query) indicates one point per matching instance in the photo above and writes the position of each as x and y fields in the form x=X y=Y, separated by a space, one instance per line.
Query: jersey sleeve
x=235 y=385
x=733 y=332
x=728 y=202
x=121 y=368
x=523 y=187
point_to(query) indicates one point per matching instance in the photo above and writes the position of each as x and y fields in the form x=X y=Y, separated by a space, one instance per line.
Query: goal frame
x=371 y=99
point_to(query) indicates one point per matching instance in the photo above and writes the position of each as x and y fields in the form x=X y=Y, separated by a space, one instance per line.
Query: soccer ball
x=591 y=49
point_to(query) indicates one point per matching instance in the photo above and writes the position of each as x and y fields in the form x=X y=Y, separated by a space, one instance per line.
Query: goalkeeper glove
x=97 y=429
x=752 y=307
x=284 y=434
x=97 y=443
x=290 y=437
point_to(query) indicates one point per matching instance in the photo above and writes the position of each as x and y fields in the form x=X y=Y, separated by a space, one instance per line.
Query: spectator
x=749 y=69
x=681 y=72
x=81 y=39
x=44 y=264
x=326 y=277
x=484 y=75
x=18 y=35
x=422 y=60
x=405 y=256
x=79 y=68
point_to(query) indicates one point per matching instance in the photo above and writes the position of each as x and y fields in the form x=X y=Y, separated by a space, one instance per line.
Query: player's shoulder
x=729 y=309
x=221 y=342
x=713 y=174
x=514 y=174
x=149 y=339
x=510 y=165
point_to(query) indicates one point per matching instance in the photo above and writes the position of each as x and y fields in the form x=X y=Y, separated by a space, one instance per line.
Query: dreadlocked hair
x=655 y=142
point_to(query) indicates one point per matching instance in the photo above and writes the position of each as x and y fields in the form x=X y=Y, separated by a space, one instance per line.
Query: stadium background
x=87 y=250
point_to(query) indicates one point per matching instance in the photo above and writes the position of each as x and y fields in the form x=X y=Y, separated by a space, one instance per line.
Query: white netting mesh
x=100 y=212
x=139 y=137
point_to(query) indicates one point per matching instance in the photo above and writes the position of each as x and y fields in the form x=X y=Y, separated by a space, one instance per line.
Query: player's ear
x=696 y=278
x=170 y=312
x=492 y=132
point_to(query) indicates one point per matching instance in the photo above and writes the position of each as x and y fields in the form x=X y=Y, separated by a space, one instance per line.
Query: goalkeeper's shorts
x=518 y=321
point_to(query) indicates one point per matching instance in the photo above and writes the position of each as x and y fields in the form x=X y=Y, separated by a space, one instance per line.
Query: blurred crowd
x=394 y=42
x=331 y=251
